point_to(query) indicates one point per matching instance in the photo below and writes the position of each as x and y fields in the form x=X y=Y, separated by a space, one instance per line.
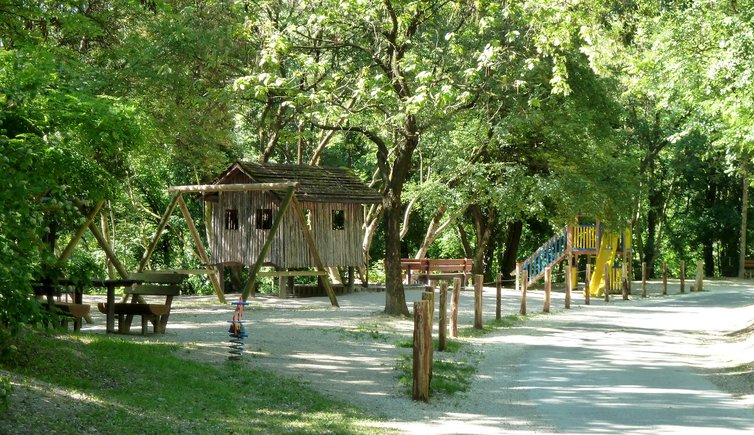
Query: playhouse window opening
x=231 y=219
x=264 y=218
x=338 y=220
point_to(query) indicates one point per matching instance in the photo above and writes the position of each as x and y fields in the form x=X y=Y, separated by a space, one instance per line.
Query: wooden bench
x=748 y=267
x=148 y=284
x=51 y=293
x=430 y=269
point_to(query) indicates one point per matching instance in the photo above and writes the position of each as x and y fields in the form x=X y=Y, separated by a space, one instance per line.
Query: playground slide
x=606 y=255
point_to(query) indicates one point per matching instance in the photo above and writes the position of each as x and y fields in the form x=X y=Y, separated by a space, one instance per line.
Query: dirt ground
x=637 y=366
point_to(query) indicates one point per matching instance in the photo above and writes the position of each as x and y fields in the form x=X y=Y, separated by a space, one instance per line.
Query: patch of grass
x=504 y=322
x=139 y=387
x=452 y=370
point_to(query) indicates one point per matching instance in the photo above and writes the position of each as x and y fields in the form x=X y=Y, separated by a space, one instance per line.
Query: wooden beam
x=289 y=195
x=292 y=273
x=200 y=247
x=160 y=227
x=204 y=188
x=80 y=231
x=313 y=249
x=108 y=251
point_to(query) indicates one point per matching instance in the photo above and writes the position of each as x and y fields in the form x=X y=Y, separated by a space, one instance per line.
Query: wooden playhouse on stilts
x=290 y=217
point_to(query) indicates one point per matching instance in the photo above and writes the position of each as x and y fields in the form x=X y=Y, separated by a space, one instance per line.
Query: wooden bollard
x=548 y=287
x=644 y=279
x=587 y=295
x=683 y=276
x=454 y=307
x=478 y=287
x=606 y=273
x=699 y=285
x=498 y=295
x=524 y=284
x=422 y=369
x=664 y=278
x=569 y=284
x=624 y=280
x=429 y=296
x=443 y=315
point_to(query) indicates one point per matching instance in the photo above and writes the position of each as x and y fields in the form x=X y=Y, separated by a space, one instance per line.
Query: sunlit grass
x=131 y=387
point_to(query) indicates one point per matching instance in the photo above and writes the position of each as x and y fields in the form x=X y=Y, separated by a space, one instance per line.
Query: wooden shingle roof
x=316 y=183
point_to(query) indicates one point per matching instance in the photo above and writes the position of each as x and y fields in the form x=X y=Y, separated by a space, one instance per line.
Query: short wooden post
x=524 y=284
x=664 y=278
x=422 y=369
x=548 y=287
x=454 y=307
x=282 y=283
x=587 y=293
x=498 y=295
x=699 y=286
x=683 y=276
x=606 y=273
x=644 y=279
x=478 y=287
x=429 y=296
x=443 y=315
x=569 y=284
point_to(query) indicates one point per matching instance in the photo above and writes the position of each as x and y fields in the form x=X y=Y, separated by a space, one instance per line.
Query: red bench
x=428 y=269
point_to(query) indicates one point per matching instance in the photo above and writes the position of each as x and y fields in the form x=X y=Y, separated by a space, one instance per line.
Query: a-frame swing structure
x=285 y=192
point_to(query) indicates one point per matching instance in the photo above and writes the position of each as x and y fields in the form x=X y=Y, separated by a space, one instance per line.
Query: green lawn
x=114 y=385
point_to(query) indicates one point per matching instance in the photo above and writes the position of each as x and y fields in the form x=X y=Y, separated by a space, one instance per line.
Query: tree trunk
x=395 y=297
x=744 y=217
x=508 y=263
x=483 y=228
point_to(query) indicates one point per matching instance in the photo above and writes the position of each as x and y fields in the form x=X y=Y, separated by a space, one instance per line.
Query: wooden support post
x=349 y=284
x=443 y=317
x=548 y=287
x=429 y=296
x=664 y=278
x=200 y=248
x=80 y=231
x=498 y=295
x=109 y=252
x=624 y=280
x=644 y=279
x=569 y=284
x=587 y=294
x=606 y=273
x=254 y=269
x=454 y=300
x=422 y=368
x=683 y=276
x=478 y=287
x=299 y=212
x=283 y=284
x=158 y=232
x=699 y=285
x=524 y=285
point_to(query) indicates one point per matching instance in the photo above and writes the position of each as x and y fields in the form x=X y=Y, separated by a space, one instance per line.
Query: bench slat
x=159 y=277
x=136 y=309
x=73 y=310
x=152 y=289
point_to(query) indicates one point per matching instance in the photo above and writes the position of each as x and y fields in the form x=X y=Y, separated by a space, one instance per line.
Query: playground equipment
x=589 y=239
x=237 y=331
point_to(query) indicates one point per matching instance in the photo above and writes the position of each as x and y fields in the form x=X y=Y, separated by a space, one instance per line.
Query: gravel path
x=641 y=366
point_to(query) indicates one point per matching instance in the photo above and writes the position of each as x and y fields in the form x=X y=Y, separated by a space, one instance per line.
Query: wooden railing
x=549 y=254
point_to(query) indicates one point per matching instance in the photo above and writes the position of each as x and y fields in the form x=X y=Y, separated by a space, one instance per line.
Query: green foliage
x=5 y=391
